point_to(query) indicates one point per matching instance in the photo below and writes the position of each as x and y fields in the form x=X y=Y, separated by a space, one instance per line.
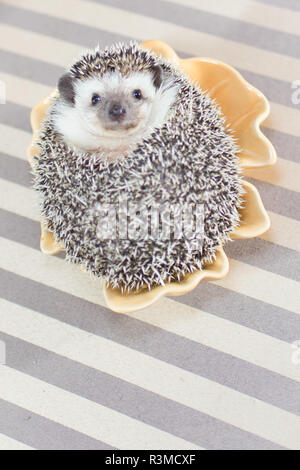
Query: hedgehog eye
x=137 y=94
x=95 y=98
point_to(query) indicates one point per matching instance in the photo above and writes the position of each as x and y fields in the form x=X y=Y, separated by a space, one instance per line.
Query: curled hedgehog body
x=190 y=160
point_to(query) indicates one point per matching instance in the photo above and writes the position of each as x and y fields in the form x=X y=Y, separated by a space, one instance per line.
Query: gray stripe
x=15 y=115
x=291 y=4
x=286 y=145
x=276 y=90
x=15 y=170
x=266 y=255
x=41 y=433
x=20 y=229
x=171 y=348
x=128 y=399
x=75 y=33
x=234 y=30
x=278 y=199
x=30 y=69
x=244 y=310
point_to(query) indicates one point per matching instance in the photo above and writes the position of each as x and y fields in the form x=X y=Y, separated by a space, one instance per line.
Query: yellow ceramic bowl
x=245 y=108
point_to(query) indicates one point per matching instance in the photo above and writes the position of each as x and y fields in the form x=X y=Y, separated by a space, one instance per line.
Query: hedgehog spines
x=191 y=159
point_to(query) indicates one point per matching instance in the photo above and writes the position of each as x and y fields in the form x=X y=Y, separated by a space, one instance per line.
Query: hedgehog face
x=115 y=105
x=112 y=112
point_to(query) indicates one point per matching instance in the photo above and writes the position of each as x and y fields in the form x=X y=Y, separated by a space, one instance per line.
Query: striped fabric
x=214 y=369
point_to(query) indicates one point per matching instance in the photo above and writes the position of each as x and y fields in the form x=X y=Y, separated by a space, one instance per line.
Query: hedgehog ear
x=157 y=73
x=66 y=88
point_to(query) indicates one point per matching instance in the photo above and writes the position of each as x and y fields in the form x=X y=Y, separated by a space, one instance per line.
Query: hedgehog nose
x=117 y=112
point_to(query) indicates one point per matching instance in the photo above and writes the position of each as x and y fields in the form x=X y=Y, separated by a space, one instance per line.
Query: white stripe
x=151 y=374
x=284 y=119
x=284 y=231
x=7 y=443
x=14 y=141
x=83 y=415
x=19 y=200
x=284 y=173
x=22 y=91
x=212 y=331
x=249 y=11
x=262 y=285
x=51 y=50
x=141 y=27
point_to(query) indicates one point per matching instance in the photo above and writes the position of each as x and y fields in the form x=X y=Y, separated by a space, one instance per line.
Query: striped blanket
x=218 y=368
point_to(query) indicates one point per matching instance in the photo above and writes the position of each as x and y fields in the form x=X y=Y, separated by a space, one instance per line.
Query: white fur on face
x=85 y=126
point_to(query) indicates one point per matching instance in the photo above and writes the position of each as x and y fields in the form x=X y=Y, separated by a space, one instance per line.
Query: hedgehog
x=153 y=189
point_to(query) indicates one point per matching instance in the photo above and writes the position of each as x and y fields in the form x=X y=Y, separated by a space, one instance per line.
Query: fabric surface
x=217 y=368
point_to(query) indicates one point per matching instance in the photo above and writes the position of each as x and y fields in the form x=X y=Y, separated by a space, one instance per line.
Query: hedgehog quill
x=128 y=126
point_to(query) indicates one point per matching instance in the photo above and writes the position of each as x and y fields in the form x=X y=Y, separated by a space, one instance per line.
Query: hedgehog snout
x=117 y=111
